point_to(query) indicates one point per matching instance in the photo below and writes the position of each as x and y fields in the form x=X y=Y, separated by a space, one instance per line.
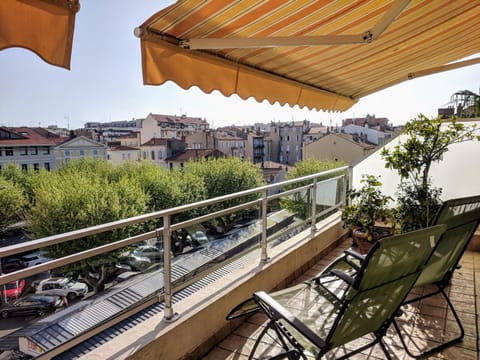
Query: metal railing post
x=314 y=205
x=168 y=313
x=264 y=256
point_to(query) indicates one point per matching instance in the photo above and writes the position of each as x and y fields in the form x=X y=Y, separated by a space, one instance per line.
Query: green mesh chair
x=461 y=216
x=334 y=308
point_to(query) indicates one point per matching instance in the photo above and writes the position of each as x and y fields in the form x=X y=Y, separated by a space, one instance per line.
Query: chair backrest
x=462 y=217
x=387 y=275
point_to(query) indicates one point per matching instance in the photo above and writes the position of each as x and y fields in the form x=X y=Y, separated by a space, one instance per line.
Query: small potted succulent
x=366 y=208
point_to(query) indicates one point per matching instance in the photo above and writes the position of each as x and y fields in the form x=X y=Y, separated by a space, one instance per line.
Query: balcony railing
x=256 y=219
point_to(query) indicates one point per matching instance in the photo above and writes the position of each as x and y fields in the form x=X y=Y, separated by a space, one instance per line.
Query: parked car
x=31 y=305
x=12 y=264
x=136 y=262
x=12 y=290
x=34 y=258
x=151 y=252
x=62 y=287
x=200 y=238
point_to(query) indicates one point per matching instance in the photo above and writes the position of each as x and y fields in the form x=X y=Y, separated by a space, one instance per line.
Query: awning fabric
x=320 y=54
x=43 y=26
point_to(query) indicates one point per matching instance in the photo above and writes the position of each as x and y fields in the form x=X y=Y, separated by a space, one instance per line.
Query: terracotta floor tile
x=423 y=323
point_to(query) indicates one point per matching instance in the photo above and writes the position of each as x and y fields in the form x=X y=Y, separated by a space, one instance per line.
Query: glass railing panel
x=135 y=268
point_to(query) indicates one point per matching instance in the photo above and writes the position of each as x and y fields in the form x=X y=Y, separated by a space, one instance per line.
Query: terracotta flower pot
x=363 y=244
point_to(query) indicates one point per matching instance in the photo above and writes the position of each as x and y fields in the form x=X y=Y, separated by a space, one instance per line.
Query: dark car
x=31 y=305
x=12 y=264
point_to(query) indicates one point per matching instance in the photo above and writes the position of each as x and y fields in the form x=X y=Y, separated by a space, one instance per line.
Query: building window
x=23 y=151
x=1 y=151
x=66 y=153
x=47 y=166
x=128 y=155
x=288 y=137
x=36 y=166
x=123 y=156
x=95 y=153
x=82 y=153
x=160 y=155
x=153 y=155
x=46 y=150
x=33 y=150
x=8 y=151
x=181 y=165
x=144 y=155
x=24 y=167
x=109 y=157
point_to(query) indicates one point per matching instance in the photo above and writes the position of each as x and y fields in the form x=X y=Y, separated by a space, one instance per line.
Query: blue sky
x=105 y=83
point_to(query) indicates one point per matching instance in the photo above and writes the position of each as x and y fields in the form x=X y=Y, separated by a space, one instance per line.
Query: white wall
x=458 y=174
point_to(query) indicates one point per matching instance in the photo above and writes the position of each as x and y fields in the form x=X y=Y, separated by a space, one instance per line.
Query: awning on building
x=42 y=26
x=320 y=54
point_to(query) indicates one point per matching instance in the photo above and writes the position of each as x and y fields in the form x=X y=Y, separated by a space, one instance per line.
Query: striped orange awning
x=42 y=26
x=320 y=54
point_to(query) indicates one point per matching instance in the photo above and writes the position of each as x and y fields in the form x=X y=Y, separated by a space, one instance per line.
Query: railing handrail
x=306 y=185
x=114 y=245
x=96 y=229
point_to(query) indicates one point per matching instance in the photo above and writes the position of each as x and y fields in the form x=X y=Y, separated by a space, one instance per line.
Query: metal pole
x=168 y=313
x=314 y=205
x=264 y=256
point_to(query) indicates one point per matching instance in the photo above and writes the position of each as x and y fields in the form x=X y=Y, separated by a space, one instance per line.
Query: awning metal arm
x=278 y=41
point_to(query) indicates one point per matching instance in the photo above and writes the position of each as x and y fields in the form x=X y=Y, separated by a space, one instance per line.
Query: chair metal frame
x=357 y=288
x=455 y=214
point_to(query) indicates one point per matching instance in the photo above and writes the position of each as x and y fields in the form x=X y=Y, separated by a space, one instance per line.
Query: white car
x=62 y=287
x=33 y=259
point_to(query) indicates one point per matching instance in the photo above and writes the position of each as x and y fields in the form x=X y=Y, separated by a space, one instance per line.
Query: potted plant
x=427 y=141
x=366 y=208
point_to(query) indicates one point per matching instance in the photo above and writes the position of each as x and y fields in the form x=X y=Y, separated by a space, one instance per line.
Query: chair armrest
x=340 y=274
x=355 y=254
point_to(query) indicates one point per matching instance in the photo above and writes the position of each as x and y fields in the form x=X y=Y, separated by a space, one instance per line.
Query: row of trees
x=89 y=192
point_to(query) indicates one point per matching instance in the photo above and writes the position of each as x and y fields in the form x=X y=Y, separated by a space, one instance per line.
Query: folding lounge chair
x=333 y=309
x=461 y=216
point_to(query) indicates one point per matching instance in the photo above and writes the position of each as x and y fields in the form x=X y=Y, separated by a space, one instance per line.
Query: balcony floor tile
x=428 y=319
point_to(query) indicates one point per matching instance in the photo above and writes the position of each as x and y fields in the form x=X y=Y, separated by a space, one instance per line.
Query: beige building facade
x=338 y=147
x=79 y=147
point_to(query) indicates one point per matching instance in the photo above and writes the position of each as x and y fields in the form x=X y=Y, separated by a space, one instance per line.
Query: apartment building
x=117 y=154
x=159 y=149
x=287 y=141
x=314 y=133
x=179 y=160
x=201 y=140
x=170 y=126
x=112 y=130
x=232 y=143
x=338 y=147
x=79 y=147
x=28 y=148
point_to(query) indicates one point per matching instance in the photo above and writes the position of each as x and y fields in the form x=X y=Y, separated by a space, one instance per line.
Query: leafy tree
x=22 y=178
x=13 y=202
x=225 y=176
x=427 y=142
x=300 y=203
x=69 y=200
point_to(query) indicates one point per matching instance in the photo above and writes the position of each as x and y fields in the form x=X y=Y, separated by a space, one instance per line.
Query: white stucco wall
x=458 y=174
